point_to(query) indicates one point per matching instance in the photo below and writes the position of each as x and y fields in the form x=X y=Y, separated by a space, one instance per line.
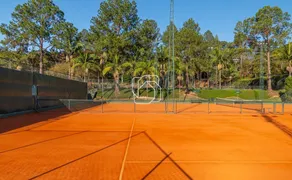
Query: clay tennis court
x=120 y=144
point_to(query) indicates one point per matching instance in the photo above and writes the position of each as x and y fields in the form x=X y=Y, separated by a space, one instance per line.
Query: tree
x=86 y=62
x=243 y=38
x=217 y=59
x=147 y=36
x=66 y=39
x=192 y=25
x=165 y=36
x=189 y=47
x=114 y=28
x=272 y=25
x=284 y=54
x=33 y=24
x=208 y=36
x=145 y=68
x=115 y=69
x=243 y=33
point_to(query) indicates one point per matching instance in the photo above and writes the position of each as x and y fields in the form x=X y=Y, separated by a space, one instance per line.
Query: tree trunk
x=187 y=81
x=69 y=59
x=72 y=70
x=269 y=71
x=219 y=79
x=102 y=87
x=41 y=61
x=98 y=80
x=241 y=66
x=216 y=78
x=117 y=90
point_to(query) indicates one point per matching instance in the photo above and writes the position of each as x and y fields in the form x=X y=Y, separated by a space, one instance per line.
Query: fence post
x=102 y=105
x=165 y=106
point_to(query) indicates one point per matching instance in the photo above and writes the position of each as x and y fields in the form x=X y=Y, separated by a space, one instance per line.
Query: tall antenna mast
x=172 y=50
x=170 y=70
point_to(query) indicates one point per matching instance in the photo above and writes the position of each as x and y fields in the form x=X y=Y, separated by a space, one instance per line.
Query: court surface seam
x=212 y=162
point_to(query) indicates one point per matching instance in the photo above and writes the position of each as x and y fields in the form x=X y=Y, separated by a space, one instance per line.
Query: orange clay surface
x=120 y=144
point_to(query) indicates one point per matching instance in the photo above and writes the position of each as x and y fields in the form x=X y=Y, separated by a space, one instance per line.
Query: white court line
x=126 y=152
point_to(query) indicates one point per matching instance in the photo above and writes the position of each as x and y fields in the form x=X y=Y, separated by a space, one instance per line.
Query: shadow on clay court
x=19 y=121
x=188 y=108
x=44 y=116
x=142 y=149
x=280 y=126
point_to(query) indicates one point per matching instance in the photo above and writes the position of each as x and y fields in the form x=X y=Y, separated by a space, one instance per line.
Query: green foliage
x=114 y=28
x=243 y=83
x=120 y=44
x=208 y=36
x=244 y=94
x=33 y=24
x=286 y=94
x=288 y=84
x=60 y=68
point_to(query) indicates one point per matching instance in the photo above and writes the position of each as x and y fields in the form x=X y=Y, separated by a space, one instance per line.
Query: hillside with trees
x=120 y=45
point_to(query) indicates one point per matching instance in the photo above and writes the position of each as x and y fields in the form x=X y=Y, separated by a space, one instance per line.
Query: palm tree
x=145 y=68
x=217 y=56
x=86 y=62
x=179 y=68
x=284 y=54
x=115 y=69
x=162 y=58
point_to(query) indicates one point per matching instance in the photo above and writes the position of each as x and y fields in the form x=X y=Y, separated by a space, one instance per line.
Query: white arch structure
x=150 y=83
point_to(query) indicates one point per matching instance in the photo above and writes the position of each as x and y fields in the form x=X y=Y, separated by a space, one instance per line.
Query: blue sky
x=218 y=16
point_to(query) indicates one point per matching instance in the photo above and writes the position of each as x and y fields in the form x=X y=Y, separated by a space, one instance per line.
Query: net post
x=283 y=107
x=69 y=104
x=165 y=106
x=262 y=107
x=241 y=102
x=175 y=110
x=134 y=107
x=274 y=108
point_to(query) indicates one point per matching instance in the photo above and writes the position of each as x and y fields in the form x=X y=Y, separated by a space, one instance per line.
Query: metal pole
x=283 y=108
x=173 y=74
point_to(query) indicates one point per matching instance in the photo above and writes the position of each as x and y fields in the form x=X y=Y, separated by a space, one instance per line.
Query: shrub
x=286 y=95
x=243 y=83
x=288 y=89
x=288 y=84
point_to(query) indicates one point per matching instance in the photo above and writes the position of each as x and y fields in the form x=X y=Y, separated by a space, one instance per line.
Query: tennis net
x=256 y=105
